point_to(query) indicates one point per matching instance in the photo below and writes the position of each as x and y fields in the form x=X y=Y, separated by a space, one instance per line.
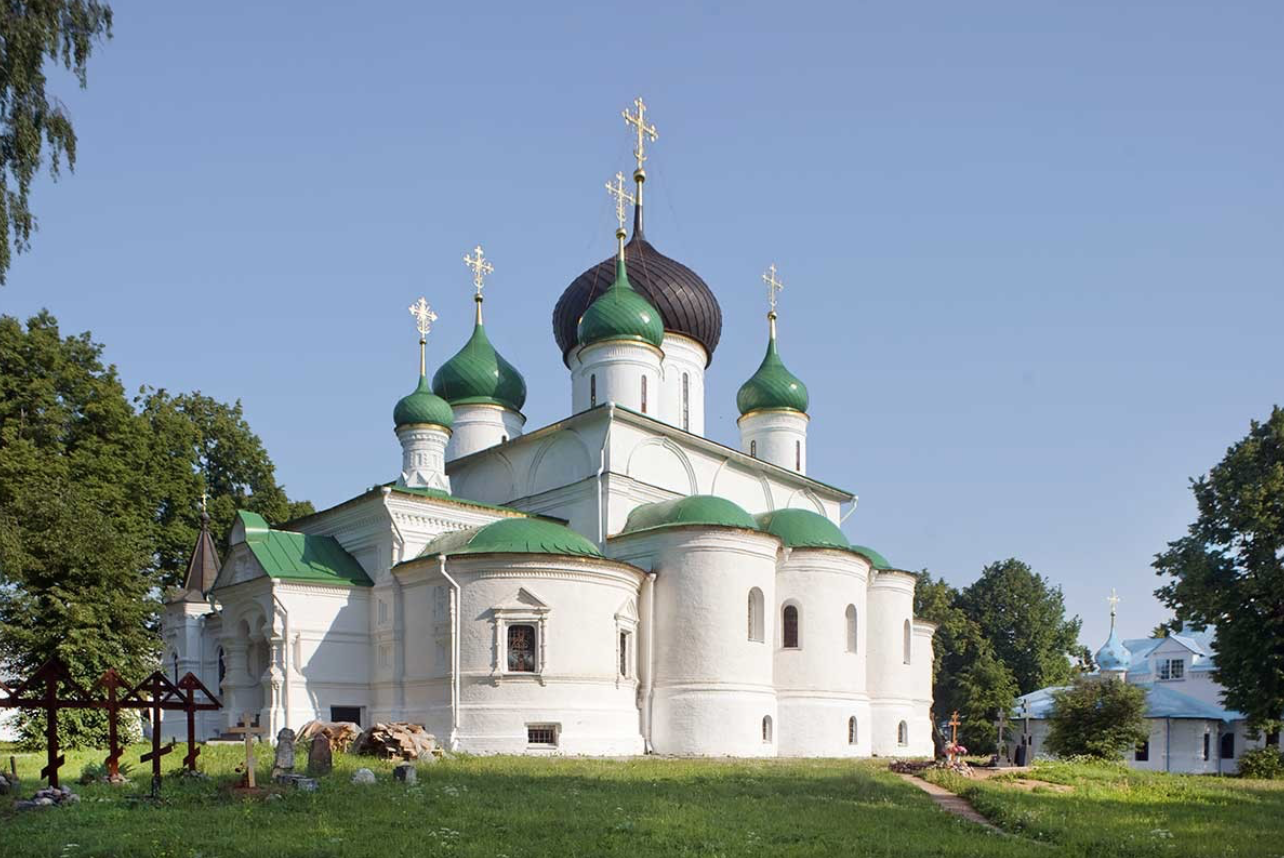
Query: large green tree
x=99 y=503
x=1024 y=618
x=32 y=35
x=1228 y=571
x=966 y=674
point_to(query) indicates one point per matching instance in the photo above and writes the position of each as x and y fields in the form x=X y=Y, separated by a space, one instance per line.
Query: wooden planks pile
x=398 y=741
x=340 y=734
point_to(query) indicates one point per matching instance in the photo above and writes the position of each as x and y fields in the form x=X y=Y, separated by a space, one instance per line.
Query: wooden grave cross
x=248 y=729
x=190 y=685
x=160 y=691
x=110 y=682
x=954 y=735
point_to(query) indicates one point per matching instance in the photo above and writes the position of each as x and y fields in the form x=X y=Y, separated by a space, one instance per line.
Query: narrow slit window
x=644 y=394
x=766 y=729
x=851 y=628
x=851 y=730
x=755 y=615
x=798 y=456
x=624 y=654
x=686 y=402
x=753 y=449
x=592 y=391
x=902 y=734
x=909 y=642
x=789 y=620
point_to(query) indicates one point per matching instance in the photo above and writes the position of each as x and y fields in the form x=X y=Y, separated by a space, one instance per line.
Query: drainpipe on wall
x=455 y=609
x=648 y=689
x=843 y=518
x=285 y=654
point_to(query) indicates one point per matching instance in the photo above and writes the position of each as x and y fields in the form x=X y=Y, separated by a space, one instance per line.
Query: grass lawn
x=1111 y=810
x=514 y=806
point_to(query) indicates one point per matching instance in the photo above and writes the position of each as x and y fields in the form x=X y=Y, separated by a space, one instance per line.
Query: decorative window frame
x=626 y=623
x=525 y=608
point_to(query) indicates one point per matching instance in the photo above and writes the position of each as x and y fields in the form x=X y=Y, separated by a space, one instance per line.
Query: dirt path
x=951 y=803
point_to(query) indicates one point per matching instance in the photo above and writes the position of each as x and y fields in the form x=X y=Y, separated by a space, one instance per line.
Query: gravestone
x=284 y=763
x=320 y=759
x=405 y=773
x=363 y=776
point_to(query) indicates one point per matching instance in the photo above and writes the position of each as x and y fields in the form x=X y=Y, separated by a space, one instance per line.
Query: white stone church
x=613 y=583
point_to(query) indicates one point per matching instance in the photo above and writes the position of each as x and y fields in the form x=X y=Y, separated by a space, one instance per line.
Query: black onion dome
x=686 y=303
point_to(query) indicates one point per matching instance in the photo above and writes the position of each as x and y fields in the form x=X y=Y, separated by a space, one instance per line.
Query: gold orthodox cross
x=622 y=197
x=477 y=262
x=954 y=727
x=773 y=285
x=1114 y=601
x=644 y=130
x=247 y=729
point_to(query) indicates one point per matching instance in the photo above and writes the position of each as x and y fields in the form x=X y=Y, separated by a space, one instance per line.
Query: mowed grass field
x=514 y=806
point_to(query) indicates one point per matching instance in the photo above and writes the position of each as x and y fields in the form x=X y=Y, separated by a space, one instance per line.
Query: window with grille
x=592 y=391
x=686 y=402
x=521 y=648
x=790 y=627
x=1172 y=668
x=851 y=730
x=644 y=394
x=541 y=734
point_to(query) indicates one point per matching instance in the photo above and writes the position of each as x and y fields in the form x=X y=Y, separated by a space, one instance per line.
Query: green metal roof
x=876 y=560
x=290 y=556
x=423 y=406
x=704 y=510
x=512 y=536
x=772 y=386
x=479 y=374
x=802 y=528
x=621 y=313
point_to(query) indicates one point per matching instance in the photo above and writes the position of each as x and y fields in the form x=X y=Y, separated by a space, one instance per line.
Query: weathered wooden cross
x=1001 y=724
x=249 y=730
x=111 y=683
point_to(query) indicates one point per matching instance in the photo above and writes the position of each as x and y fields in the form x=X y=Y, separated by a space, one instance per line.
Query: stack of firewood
x=398 y=741
x=340 y=734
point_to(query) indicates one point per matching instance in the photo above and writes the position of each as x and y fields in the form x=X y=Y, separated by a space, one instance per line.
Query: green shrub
x=1262 y=763
x=1099 y=718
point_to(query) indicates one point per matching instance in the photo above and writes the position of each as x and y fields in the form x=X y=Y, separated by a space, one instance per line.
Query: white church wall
x=480 y=426
x=712 y=683
x=328 y=651
x=682 y=400
x=778 y=437
x=626 y=373
x=579 y=607
x=891 y=676
x=820 y=684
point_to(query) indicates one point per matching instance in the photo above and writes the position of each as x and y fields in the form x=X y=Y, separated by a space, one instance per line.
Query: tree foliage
x=32 y=34
x=99 y=504
x=1097 y=718
x=1228 y=571
x=1024 y=618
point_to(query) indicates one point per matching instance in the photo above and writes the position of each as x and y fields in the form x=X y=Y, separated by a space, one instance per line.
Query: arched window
x=686 y=402
x=909 y=642
x=592 y=391
x=798 y=456
x=851 y=730
x=902 y=734
x=521 y=648
x=789 y=627
x=766 y=729
x=644 y=394
x=755 y=615
x=753 y=449
x=851 y=628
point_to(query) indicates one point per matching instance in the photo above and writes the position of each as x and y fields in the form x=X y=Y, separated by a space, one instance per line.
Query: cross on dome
x=480 y=266
x=643 y=129
x=424 y=317
x=621 y=196
x=1114 y=601
x=773 y=285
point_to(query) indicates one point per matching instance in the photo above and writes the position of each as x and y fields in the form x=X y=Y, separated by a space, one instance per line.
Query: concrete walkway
x=951 y=803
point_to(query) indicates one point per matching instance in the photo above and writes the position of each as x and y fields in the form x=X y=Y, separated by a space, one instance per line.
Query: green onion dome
x=875 y=559
x=802 y=528
x=423 y=406
x=621 y=313
x=772 y=386
x=478 y=374
x=696 y=510
x=513 y=536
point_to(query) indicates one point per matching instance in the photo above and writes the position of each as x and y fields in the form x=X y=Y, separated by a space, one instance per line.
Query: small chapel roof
x=202 y=568
x=287 y=555
x=802 y=528
x=512 y=536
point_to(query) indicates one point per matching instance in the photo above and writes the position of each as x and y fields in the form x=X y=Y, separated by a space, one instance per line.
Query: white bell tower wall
x=620 y=371
x=682 y=398
x=480 y=426
x=777 y=436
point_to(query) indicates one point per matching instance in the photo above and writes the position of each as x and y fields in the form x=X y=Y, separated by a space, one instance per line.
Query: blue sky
x=1033 y=251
